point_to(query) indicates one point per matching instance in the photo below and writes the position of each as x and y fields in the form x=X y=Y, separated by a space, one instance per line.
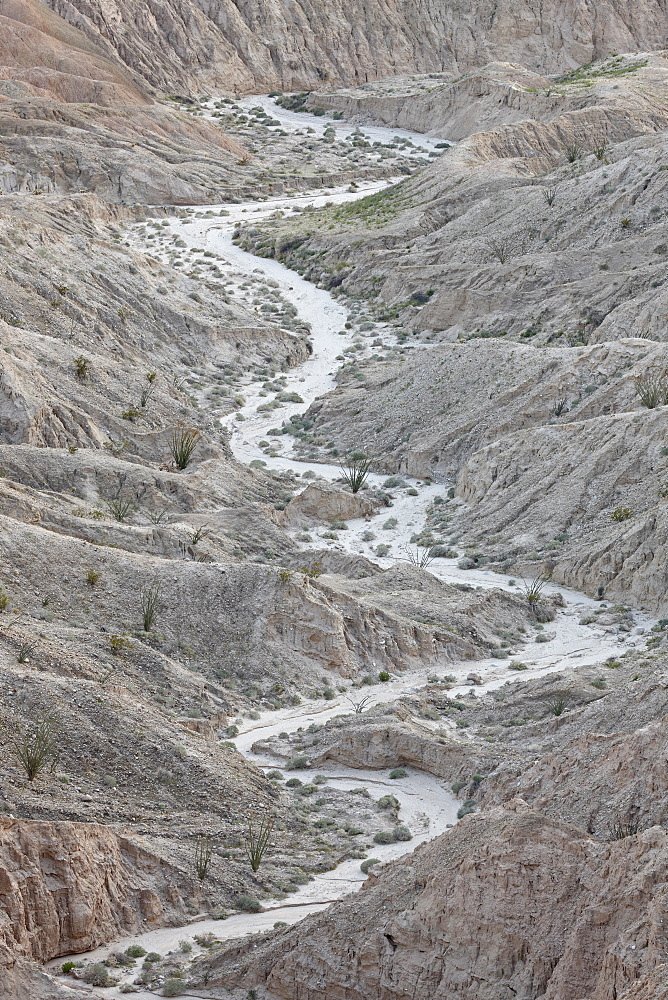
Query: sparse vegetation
x=355 y=471
x=203 y=855
x=183 y=445
x=149 y=600
x=259 y=827
x=35 y=744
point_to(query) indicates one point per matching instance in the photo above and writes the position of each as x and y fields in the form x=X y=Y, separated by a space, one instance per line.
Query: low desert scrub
x=621 y=514
x=97 y=975
x=173 y=988
x=248 y=903
x=92 y=577
x=34 y=745
x=398 y=772
x=367 y=864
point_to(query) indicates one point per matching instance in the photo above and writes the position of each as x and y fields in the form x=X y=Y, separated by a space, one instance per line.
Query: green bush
x=383 y=676
x=384 y=837
x=135 y=951
x=296 y=764
x=67 y=967
x=388 y=802
x=402 y=832
x=293 y=783
x=368 y=863
x=248 y=903
x=398 y=772
x=97 y=975
x=173 y=988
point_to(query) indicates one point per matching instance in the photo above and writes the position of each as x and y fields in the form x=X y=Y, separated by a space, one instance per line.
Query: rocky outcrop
x=264 y=45
x=68 y=887
x=507 y=900
x=323 y=502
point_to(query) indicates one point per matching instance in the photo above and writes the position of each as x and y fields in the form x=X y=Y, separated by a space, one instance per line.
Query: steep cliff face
x=508 y=902
x=260 y=44
x=67 y=887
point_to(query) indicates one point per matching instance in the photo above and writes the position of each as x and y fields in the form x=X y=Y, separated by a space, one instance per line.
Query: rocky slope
x=69 y=886
x=262 y=45
x=557 y=914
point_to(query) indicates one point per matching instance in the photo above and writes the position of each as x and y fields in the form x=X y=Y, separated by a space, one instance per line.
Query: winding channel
x=427 y=805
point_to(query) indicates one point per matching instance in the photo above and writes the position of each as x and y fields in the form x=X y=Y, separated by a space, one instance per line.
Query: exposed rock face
x=67 y=887
x=510 y=899
x=263 y=45
x=323 y=502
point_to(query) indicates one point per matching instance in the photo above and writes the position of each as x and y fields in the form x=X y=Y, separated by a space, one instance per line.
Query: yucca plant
x=355 y=471
x=182 y=446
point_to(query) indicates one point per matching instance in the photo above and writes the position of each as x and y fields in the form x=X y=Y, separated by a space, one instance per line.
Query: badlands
x=333 y=500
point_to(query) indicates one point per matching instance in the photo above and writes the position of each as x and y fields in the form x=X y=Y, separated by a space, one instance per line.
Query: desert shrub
x=274 y=773
x=541 y=638
x=248 y=903
x=293 y=783
x=203 y=853
x=320 y=779
x=185 y=947
x=558 y=705
x=135 y=951
x=173 y=988
x=383 y=676
x=259 y=827
x=621 y=514
x=465 y=810
x=296 y=764
x=384 y=837
x=599 y=683
x=401 y=833
x=457 y=786
x=388 y=802
x=67 y=967
x=92 y=577
x=153 y=956
x=368 y=863
x=96 y=975
x=398 y=772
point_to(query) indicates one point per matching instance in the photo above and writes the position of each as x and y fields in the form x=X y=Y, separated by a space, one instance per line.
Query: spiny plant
x=360 y=705
x=35 y=744
x=558 y=705
x=149 y=599
x=533 y=591
x=259 y=827
x=652 y=388
x=182 y=446
x=420 y=556
x=550 y=193
x=355 y=471
x=203 y=853
x=573 y=152
x=120 y=507
x=620 y=830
